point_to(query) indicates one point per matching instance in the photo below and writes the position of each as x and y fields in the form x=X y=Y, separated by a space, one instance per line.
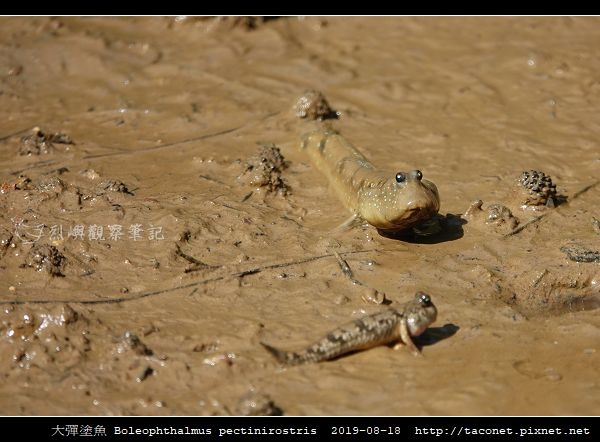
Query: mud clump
x=61 y=316
x=501 y=217
x=43 y=338
x=496 y=216
x=51 y=185
x=42 y=143
x=131 y=357
x=247 y=23
x=23 y=182
x=130 y=341
x=113 y=186
x=314 y=106
x=555 y=289
x=536 y=189
x=264 y=171
x=257 y=404
x=596 y=225
x=46 y=257
x=6 y=237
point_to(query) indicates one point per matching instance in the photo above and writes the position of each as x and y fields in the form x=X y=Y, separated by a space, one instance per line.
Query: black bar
x=298 y=428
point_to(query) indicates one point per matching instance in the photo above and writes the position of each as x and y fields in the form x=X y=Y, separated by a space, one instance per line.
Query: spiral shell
x=537 y=188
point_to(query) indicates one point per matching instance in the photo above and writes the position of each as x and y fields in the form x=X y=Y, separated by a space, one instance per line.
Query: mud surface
x=151 y=234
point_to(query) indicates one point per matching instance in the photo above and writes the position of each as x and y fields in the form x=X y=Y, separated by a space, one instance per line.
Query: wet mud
x=158 y=219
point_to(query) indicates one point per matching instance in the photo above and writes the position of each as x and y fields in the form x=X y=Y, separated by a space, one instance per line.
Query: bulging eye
x=419 y=175
x=424 y=299
x=400 y=177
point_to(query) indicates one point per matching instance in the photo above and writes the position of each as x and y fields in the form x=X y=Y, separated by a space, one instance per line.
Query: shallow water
x=166 y=114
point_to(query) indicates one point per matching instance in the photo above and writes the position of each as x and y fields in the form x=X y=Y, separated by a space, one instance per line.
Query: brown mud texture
x=158 y=219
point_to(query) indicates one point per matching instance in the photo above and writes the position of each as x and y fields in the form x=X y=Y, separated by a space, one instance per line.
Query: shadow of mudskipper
x=433 y=335
x=450 y=229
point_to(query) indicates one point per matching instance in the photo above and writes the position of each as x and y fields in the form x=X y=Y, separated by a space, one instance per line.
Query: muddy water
x=153 y=126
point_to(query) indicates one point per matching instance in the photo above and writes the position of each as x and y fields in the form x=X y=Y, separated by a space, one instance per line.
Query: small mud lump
x=39 y=142
x=264 y=170
x=46 y=257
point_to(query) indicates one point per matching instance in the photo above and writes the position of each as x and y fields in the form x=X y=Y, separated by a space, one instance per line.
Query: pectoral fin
x=407 y=340
x=352 y=222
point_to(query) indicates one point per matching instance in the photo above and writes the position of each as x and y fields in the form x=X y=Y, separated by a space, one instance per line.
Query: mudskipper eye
x=424 y=299
x=419 y=175
x=400 y=177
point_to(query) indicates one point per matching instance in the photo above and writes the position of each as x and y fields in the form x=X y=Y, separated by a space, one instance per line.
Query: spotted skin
x=385 y=327
x=389 y=201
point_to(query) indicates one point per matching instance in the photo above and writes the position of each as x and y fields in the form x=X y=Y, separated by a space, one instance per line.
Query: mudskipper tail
x=285 y=357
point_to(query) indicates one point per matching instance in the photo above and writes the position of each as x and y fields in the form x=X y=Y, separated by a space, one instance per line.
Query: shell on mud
x=536 y=189
x=314 y=106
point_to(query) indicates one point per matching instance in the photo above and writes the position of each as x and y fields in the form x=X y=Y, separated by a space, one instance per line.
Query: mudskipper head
x=399 y=202
x=420 y=313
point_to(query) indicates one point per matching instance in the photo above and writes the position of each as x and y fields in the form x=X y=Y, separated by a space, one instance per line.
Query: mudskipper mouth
x=411 y=218
x=420 y=221
x=418 y=215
